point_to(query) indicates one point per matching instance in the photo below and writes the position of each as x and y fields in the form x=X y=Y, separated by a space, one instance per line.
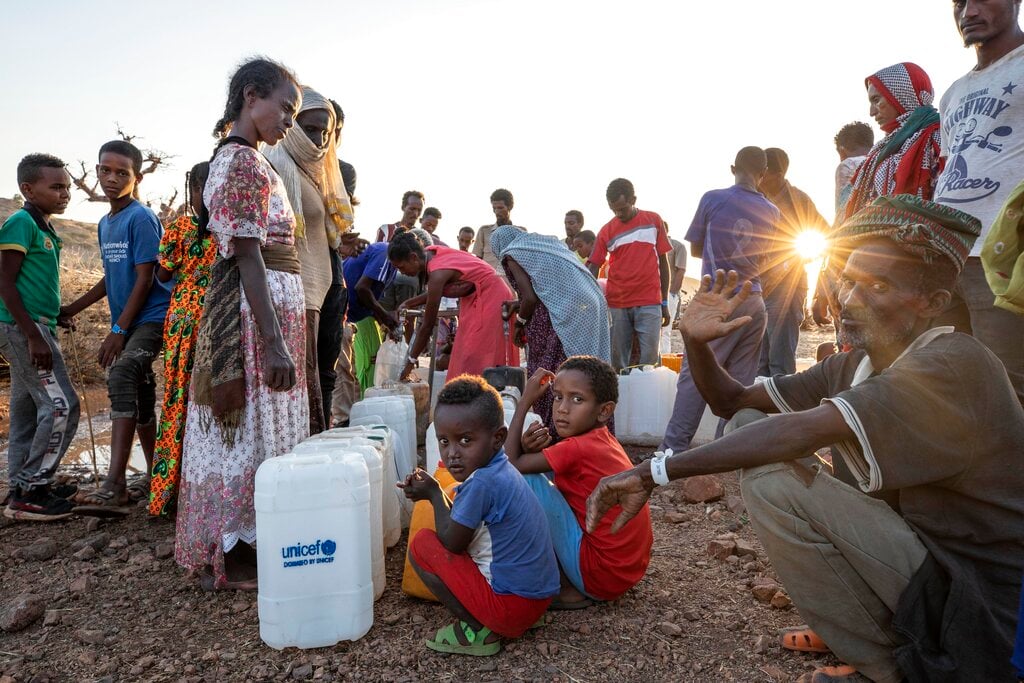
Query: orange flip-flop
x=803 y=639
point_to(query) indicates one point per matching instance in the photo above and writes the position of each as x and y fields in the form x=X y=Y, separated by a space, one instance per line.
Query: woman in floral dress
x=186 y=254
x=248 y=398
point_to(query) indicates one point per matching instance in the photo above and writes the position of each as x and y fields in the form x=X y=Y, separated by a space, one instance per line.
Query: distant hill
x=78 y=237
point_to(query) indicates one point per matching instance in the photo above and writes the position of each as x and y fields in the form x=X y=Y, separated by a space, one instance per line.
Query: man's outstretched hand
x=629 y=489
x=706 y=316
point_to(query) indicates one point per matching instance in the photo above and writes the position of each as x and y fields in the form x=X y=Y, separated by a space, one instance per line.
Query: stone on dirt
x=745 y=548
x=721 y=549
x=85 y=583
x=21 y=612
x=702 y=488
x=91 y=636
x=765 y=590
x=40 y=550
x=781 y=601
x=735 y=505
x=97 y=542
x=669 y=629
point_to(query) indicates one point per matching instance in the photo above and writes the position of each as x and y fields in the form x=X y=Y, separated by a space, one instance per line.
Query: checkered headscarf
x=919 y=226
x=905 y=85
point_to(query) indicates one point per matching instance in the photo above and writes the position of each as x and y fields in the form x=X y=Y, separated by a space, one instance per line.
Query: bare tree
x=170 y=211
x=152 y=160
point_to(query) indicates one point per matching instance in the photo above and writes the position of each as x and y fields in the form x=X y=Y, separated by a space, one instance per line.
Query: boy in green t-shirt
x=44 y=405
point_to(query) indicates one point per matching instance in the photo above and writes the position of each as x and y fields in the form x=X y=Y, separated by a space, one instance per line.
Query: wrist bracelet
x=415 y=362
x=664 y=303
x=521 y=320
x=659 y=471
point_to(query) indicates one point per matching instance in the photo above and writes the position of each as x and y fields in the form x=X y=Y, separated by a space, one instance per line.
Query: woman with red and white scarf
x=906 y=160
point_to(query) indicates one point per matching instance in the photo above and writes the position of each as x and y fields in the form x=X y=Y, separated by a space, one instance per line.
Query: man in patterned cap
x=923 y=592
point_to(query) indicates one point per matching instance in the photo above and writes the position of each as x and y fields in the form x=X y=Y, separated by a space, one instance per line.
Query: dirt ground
x=123 y=611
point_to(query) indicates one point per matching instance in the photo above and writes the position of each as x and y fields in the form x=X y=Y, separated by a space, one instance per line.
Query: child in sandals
x=490 y=562
x=599 y=565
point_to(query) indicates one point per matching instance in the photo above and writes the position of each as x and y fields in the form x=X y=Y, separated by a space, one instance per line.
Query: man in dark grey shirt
x=927 y=591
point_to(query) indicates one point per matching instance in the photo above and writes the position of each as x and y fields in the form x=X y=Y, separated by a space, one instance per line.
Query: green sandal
x=446 y=640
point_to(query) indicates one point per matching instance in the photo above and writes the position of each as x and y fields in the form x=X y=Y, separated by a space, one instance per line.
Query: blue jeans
x=566 y=533
x=645 y=322
x=737 y=353
x=44 y=410
x=785 y=311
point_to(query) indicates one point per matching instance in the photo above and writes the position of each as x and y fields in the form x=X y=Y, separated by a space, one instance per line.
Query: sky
x=456 y=98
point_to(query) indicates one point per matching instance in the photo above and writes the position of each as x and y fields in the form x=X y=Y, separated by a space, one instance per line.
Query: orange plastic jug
x=672 y=361
x=423 y=518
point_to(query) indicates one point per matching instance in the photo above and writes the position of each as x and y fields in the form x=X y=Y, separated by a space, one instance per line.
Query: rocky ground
x=85 y=600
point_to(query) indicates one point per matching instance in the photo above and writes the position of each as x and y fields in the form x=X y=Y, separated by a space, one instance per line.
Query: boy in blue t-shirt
x=129 y=238
x=491 y=560
x=44 y=405
x=366 y=277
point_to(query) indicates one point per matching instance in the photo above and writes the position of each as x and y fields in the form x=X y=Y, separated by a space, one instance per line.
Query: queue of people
x=905 y=555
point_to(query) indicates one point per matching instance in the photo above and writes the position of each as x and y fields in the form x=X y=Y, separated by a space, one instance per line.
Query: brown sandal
x=803 y=639
x=101 y=503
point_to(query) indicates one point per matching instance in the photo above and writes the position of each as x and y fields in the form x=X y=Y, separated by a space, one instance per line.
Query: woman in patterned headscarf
x=562 y=311
x=906 y=160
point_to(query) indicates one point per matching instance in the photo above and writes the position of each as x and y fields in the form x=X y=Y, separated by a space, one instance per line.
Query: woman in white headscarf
x=308 y=165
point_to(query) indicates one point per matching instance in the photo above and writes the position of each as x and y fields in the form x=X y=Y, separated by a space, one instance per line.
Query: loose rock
x=21 y=612
x=764 y=592
x=302 y=672
x=675 y=517
x=669 y=629
x=745 y=549
x=92 y=524
x=85 y=554
x=702 y=489
x=40 y=550
x=781 y=601
x=735 y=505
x=163 y=551
x=721 y=549
x=96 y=541
x=91 y=636
x=51 y=617
x=85 y=583
x=762 y=644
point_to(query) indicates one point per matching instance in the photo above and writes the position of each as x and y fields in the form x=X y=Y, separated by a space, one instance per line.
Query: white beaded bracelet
x=659 y=471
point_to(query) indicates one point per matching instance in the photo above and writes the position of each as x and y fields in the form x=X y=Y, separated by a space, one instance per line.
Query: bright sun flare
x=810 y=244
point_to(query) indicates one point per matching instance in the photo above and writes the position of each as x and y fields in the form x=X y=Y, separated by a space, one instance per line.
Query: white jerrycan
x=398 y=413
x=338 y=448
x=646 y=399
x=315 y=583
x=395 y=507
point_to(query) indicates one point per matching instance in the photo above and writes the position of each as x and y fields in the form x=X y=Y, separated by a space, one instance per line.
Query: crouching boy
x=490 y=561
x=599 y=565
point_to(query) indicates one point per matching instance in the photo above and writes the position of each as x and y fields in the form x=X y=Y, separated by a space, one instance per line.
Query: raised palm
x=707 y=315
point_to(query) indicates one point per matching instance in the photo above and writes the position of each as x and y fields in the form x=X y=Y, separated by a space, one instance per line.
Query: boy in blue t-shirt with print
x=129 y=238
x=491 y=560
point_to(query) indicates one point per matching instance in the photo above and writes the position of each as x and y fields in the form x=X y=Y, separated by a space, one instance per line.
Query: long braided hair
x=264 y=75
x=195 y=182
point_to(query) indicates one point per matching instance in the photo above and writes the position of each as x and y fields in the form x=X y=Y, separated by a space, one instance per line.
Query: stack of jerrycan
x=342 y=448
x=399 y=414
x=313 y=532
x=423 y=518
x=381 y=438
x=646 y=397
x=420 y=393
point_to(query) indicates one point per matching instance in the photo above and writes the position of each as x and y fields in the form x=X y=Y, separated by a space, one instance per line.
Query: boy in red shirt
x=598 y=565
x=636 y=246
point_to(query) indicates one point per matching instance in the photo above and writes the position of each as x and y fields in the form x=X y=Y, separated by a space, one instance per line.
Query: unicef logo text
x=303 y=554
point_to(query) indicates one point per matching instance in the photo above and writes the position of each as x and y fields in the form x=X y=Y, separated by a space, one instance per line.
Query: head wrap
x=575 y=303
x=916 y=225
x=297 y=156
x=906 y=160
x=905 y=85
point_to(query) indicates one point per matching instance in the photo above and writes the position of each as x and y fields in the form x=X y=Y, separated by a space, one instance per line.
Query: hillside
x=78 y=237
